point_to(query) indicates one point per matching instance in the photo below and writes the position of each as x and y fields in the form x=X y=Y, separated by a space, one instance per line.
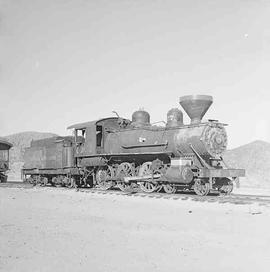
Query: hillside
x=20 y=141
x=255 y=158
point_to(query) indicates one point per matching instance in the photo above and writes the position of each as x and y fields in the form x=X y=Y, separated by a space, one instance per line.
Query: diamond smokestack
x=196 y=106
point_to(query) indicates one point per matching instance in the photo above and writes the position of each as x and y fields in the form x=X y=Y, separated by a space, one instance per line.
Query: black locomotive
x=4 y=159
x=134 y=154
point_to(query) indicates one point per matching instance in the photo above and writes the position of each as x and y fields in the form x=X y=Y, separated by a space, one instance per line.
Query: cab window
x=79 y=136
x=99 y=136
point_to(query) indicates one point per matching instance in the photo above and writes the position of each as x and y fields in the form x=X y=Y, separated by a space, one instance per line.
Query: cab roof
x=4 y=142
x=90 y=123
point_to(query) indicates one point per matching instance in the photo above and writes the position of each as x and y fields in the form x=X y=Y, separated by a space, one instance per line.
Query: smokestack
x=196 y=106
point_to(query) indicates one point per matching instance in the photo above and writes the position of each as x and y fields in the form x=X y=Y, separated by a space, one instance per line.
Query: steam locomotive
x=4 y=159
x=132 y=155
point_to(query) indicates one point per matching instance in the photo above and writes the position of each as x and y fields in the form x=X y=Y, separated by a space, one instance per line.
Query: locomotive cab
x=90 y=136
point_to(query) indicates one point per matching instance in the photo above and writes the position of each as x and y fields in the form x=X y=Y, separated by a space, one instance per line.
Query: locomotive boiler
x=130 y=154
x=4 y=159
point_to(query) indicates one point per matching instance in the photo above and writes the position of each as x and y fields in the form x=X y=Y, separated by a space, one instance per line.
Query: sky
x=65 y=62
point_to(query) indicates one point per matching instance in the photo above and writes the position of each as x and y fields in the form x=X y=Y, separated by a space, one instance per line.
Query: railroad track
x=240 y=199
x=233 y=198
x=15 y=184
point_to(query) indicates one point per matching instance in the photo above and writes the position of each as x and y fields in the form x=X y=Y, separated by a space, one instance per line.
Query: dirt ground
x=45 y=229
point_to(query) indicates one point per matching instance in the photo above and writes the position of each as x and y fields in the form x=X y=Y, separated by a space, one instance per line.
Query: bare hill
x=20 y=141
x=255 y=158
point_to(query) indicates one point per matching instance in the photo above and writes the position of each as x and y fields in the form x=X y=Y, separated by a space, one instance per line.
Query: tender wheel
x=147 y=186
x=169 y=188
x=201 y=188
x=125 y=169
x=53 y=181
x=43 y=181
x=56 y=182
x=104 y=178
x=69 y=182
x=32 y=180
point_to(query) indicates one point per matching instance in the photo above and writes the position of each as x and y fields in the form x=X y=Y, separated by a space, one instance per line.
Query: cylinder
x=174 y=118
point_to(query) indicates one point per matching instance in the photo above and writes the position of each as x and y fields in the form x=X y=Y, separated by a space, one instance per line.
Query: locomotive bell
x=174 y=118
x=140 y=118
x=196 y=106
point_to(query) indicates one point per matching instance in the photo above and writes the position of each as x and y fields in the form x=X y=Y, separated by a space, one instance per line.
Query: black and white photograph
x=134 y=135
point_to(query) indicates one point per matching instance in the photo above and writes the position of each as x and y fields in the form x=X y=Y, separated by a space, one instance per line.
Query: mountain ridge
x=254 y=157
x=255 y=142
